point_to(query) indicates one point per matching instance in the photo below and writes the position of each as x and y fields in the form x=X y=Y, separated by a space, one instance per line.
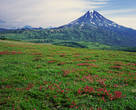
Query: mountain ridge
x=95 y=18
x=106 y=29
x=91 y=27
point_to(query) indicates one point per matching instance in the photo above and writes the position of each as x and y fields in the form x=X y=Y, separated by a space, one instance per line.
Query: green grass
x=48 y=77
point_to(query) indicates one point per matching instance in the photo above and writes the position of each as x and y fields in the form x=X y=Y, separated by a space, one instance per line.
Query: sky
x=45 y=13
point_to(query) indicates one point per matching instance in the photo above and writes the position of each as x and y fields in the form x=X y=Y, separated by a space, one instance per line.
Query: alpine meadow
x=86 y=64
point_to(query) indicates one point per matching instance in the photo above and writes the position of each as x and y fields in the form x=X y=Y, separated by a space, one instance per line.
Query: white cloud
x=128 y=21
x=125 y=17
x=57 y=12
x=45 y=12
x=118 y=11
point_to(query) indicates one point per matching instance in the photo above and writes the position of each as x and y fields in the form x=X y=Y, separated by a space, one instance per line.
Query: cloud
x=128 y=21
x=45 y=12
x=125 y=17
x=1 y=21
x=119 y=11
x=57 y=12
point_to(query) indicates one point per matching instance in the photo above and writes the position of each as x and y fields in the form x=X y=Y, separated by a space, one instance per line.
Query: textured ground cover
x=47 y=77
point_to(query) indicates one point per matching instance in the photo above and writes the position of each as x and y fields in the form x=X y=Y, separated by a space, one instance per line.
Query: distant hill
x=27 y=27
x=91 y=27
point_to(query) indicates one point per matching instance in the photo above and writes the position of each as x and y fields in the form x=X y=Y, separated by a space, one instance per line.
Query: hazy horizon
x=45 y=13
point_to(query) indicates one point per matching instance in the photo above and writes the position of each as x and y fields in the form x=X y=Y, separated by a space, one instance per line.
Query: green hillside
x=71 y=37
x=49 y=77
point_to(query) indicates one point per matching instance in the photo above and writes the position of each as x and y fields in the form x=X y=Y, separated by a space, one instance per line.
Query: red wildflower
x=126 y=84
x=117 y=94
x=55 y=96
x=103 y=99
x=66 y=72
x=62 y=91
x=100 y=89
x=91 y=108
x=99 y=108
x=73 y=103
x=51 y=61
x=4 y=52
x=27 y=89
x=79 y=91
x=88 y=89
x=111 y=98
x=116 y=67
x=40 y=88
x=8 y=86
x=71 y=106
x=86 y=64
x=115 y=85
x=83 y=64
x=29 y=86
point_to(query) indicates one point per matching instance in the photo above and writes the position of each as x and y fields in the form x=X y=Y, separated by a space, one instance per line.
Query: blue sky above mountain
x=59 y=12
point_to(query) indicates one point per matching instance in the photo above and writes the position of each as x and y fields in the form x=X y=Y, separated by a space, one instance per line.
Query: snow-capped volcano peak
x=95 y=19
x=91 y=14
x=91 y=11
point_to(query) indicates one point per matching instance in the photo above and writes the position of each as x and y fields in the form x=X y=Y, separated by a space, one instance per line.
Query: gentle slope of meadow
x=48 y=77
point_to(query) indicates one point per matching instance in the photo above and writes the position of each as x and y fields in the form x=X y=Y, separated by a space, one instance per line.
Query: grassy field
x=48 y=77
